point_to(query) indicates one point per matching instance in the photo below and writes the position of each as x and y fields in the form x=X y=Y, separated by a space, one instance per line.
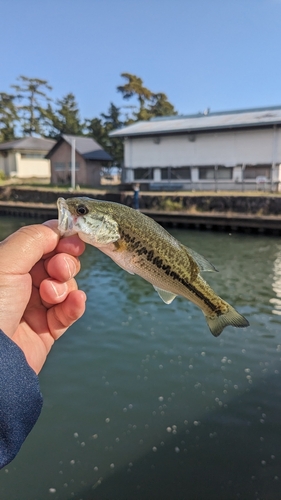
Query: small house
x=25 y=158
x=89 y=160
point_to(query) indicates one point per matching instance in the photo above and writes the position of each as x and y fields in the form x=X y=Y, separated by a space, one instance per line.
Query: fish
x=139 y=245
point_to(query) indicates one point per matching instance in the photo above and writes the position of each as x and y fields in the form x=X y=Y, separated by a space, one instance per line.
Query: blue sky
x=221 y=54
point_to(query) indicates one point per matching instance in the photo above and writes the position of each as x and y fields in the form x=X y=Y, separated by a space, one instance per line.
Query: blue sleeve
x=20 y=399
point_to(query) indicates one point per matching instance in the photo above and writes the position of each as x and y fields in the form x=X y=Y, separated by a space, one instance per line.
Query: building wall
x=8 y=162
x=60 y=166
x=13 y=164
x=222 y=148
x=87 y=172
x=93 y=173
x=36 y=167
x=259 y=149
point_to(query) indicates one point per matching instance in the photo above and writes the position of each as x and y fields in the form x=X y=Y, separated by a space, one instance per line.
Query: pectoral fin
x=167 y=297
x=203 y=264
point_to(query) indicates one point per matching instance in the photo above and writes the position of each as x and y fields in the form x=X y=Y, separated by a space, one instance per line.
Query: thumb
x=22 y=249
x=18 y=254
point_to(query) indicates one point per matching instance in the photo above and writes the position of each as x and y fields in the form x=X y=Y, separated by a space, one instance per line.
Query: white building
x=25 y=158
x=225 y=150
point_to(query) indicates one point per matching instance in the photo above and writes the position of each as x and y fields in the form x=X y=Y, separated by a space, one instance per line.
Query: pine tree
x=32 y=91
x=150 y=104
x=65 y=119
x=135 y=88
x=161 y=106
x=97 y=130
x=115 y=144
x=8 y=117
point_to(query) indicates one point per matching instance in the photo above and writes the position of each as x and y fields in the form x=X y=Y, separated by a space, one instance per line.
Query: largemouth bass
x=141 y=246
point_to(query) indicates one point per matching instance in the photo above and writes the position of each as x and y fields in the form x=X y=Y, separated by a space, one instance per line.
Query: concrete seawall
x=213 y=211
x=262 y=204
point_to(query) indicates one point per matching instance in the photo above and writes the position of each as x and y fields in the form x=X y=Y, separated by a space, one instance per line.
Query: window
x=76 y=165
x=212 y=173
x=252 y=172
x=175 y=173
x=32 y=156
x=59 y=165
x=165 y=174
x=143 y=174
x=224 y=173
x=180 y=173
x=206 y=173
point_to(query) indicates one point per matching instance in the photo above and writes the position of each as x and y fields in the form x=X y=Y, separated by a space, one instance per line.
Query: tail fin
x=231 y=317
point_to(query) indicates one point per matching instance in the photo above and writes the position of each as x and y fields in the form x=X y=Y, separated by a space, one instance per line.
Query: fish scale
x=141 y=246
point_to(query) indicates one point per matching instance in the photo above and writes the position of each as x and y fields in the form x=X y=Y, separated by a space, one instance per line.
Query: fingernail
x=60 y=289
x=70 y=267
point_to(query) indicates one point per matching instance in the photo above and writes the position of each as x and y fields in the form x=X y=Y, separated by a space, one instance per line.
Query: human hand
x=39 y=298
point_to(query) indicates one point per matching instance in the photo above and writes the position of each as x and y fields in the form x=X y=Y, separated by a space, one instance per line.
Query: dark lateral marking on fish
x=130 y=239
x=194 y=290
x=159 y=263
x=142 y=251
x=126 y=237
x=150 y=255
x=208 y=303
x=136 y=245
x=175 y=276
x=167 y=269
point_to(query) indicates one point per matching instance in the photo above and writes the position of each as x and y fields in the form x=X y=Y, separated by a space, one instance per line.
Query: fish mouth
x=65 y=224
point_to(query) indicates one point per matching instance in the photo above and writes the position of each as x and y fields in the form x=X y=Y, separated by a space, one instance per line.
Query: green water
x=141 y=402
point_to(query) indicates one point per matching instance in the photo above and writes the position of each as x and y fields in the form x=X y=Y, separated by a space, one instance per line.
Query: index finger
x=71 y=244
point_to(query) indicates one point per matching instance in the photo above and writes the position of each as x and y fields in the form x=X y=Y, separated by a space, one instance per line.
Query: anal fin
x=167 y=297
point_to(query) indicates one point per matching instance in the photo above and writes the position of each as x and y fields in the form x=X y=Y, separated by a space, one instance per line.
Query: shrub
x=170 y=205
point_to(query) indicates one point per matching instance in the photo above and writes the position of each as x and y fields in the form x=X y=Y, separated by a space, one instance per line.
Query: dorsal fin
x=203 y=264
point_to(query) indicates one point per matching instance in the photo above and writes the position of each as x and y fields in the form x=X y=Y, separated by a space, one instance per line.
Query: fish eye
x=82 y=210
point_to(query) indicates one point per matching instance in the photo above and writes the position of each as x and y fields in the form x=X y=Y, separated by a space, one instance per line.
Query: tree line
x=29 y=110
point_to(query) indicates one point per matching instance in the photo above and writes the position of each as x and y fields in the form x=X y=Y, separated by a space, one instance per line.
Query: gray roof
x=244 y=118
x=85 y=146
x=28 y=143
x=82 y=144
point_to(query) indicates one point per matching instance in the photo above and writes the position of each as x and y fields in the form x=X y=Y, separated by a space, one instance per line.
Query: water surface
x=142 y=402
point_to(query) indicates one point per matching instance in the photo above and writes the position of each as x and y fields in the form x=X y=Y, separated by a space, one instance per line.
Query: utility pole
x=73 y=163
